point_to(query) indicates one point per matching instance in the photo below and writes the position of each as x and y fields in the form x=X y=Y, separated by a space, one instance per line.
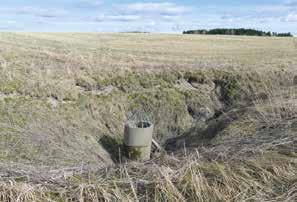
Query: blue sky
x=153 y=16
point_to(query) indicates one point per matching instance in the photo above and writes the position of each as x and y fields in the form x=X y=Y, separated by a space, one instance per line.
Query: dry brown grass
x=55 y=110
x=186 y=179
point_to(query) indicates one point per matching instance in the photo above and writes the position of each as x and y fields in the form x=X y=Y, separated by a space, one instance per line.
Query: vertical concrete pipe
x=138 y=141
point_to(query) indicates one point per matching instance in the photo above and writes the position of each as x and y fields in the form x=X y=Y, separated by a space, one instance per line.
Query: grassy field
x=224 y=109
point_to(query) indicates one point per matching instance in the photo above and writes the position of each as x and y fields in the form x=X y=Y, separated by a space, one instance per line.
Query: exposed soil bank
x=51 y=129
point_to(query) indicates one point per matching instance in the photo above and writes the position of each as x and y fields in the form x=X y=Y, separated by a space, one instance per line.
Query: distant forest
x=241 y=31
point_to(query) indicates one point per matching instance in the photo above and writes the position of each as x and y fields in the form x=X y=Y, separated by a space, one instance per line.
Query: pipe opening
x=143 y=124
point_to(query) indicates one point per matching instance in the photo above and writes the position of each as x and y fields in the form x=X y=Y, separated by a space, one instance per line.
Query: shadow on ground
x=113 y=146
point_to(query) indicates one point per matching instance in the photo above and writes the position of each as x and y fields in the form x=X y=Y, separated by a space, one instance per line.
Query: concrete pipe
x=138 y=141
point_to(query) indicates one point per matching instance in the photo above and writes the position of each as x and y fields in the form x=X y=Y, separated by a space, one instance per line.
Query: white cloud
x=144 y=13
x=121 y=18
x=89 y=3
x=272 y=8
x=150 y=15
x=165 y=8
x=250 y=17
x=35 y=11
x=292 y=17
x=152 y=23
x=170 y=18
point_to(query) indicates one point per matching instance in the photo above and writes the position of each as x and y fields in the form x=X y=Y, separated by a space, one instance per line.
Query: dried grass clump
x=274 y=96
x=174 y=179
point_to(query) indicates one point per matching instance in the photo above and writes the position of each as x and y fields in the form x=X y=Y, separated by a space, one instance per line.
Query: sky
x=168 y=16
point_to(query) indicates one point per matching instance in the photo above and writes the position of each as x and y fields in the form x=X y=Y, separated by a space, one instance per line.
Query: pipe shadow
x=113 y=146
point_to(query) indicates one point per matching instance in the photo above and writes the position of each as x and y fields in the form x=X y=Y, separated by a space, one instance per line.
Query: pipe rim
x=136 y=126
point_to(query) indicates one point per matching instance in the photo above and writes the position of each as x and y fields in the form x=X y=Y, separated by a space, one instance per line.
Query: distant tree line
x=241 y=31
